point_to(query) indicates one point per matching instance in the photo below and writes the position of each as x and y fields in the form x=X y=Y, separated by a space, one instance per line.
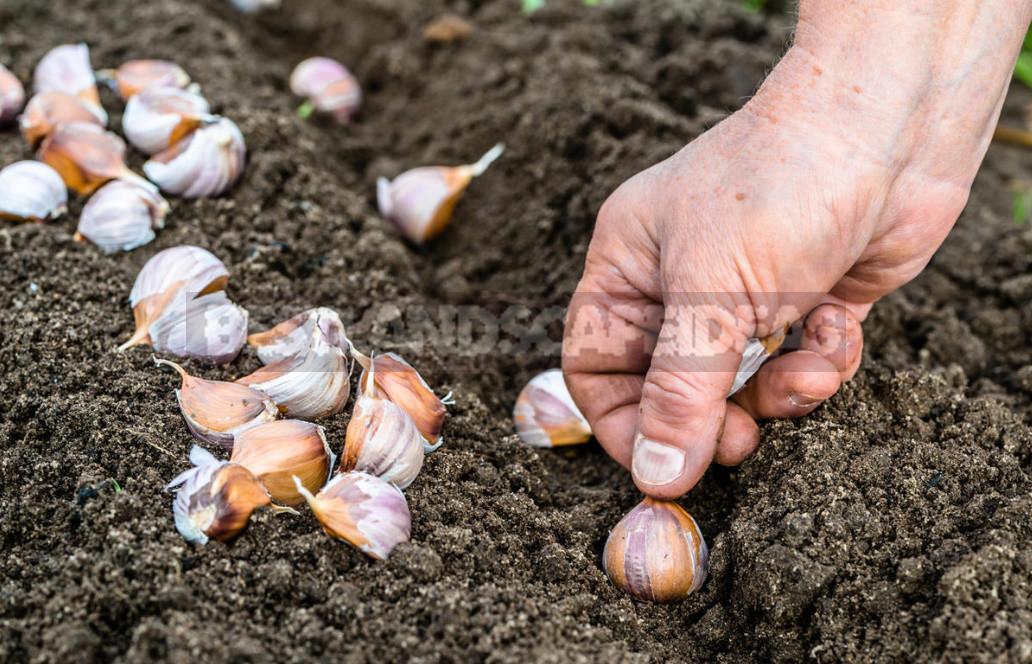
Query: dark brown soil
x=891 y=526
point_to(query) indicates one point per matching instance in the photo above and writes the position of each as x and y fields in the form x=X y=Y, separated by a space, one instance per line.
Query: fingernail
x=804 y=400
x=831 y=338
x=656 y=463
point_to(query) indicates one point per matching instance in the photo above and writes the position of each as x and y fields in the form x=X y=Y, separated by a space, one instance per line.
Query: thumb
x=684 y=398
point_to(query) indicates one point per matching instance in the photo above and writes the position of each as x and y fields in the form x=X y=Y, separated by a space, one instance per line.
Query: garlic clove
x=362 y=510
x=47 y=110
x=67 y=69
x=254 y=6
x=545 y=414
x=279 y=451
x=215 y=500
x=757 y=351
x=328 y=86
x=12 y=96
x=121 y=216
x=294 y=336
x=656 y=552
x=31 y=191
x=87 y=156
x=132 y=77
x=390 y=377
x=382 y=440
x=218 y=412
x=419 y=203
x=205 y=164
x=209 y=327
x=160 y=117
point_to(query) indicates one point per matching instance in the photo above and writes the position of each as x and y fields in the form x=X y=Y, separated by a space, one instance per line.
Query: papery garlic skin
x=656 y=552
x=215 y=500
x=47 y=110
x=31 y=191
x=67 y=69
x=159 y=117
x=545 y=414
x=294 y=336
x=279 y=451
x=86 y=156
x=205 y=164
x=328 y=86
x=757 y=351
x=368 y=513
x=254 y=6
x=390 y=377
x=210 y=327
x=134 y=76
x=382 y=440
x=12 y=96
x=122 y=216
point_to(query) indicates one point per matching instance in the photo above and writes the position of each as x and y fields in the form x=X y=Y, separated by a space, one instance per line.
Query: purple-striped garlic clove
x=12 y=96
x=329 y=87
x=31 y=191
x=383 y=440
x=160 y=117
x=47 y=110
x=419 y=203
x=121 y=216
x=219 y=412
x=279 y=451
x=656 y=552
x=67 y=69
x=545 y=414
x=205 y=164
x=209 y=327
x=254 y=6
x=363 y=510
x=294 y=336
x=132 y=77
x=389 y=377
x=87 y=156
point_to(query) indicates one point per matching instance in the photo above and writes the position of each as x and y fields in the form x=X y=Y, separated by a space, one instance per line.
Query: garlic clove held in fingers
x=87 y=156
x=382 y=440
x=279 y=451
x=160 y=117
x=67 y=69
x=545 y=414
x=216 y=411
x=121 y=216
x=656 y=552
x=390 y=377
x=294 y=336
x=329 y=87
x=31 y=191
x=205 y=164
x=757 y=351
x=47 y=110
x=420 y=202
x=12 y=96
x=208 y=327
x=132 y=77
x=362 y=510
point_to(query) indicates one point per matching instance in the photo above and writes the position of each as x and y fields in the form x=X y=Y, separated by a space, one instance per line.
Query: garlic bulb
x=160 y=117
x=279 y=451
x=121 y=216
x=132 y=77
x=87 y=156
x=294 y=336
x=362 y=510
x=420 y=202
x=394 y=379
x=545 y=414
x=382 y=440
x=209 y=327
x=218 y=412
x=254 y=6
x=12 y=96
x=328 y=86
x=206 y=163
x=67 y=69
x=757 y=351
x=656 y=552
x=47 y=110
x=31 y=191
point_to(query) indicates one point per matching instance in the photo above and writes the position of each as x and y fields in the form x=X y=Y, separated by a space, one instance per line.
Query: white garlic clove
x=121 y=216
x=216 y=411
x=328 y=86
x=12 y=96
x=160 y=117
x=47 y=110
x=419 y=203
x=279 y=451
x=67 y=69
x=382 y=440
x=545 y=414
x=32 y=191
x=362 y=510
x=87 y=156
x=209 y=327
x=205 y=164
x=294 y=336
x=254 y=6
x=389 y=377
x=215 y=499
x=132 y=77
x=757 y=351
x=656 y=552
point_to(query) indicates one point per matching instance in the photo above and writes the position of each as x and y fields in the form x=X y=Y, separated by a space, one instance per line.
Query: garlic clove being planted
x=419 y=203
x=121 y=216
x=294 y=336
x=87 y=156
x=757 y=351
x=205 y=164
x=329 y=87
x=132 y=77
x=382 y=440
x=545 y=414
x=31 y=191
x=47 y=110
x=217 y=411
x=279 y=451
x=656 y=552
x=67 y=69
x=362 y=510
x=390 y=377
x=208 y=327
x=160 y=117
x=12 y=96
